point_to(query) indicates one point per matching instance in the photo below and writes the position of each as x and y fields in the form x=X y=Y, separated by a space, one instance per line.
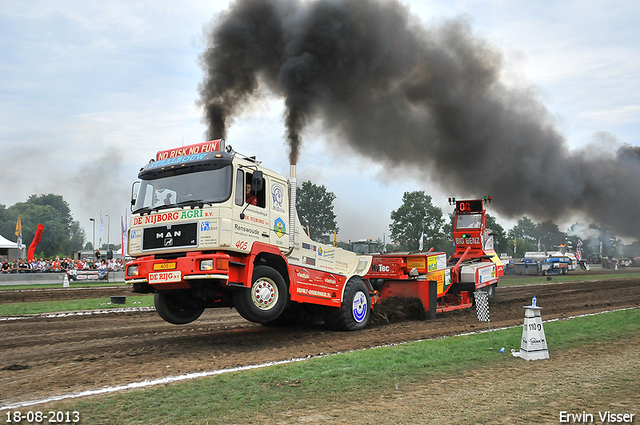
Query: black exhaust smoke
x=410 y=96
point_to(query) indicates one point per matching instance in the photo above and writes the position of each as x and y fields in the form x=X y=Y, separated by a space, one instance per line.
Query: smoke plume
x=410 y=96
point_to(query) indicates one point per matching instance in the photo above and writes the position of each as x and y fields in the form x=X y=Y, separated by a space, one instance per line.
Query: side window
x=244 y=194
x=149 y=195
x=240 y=190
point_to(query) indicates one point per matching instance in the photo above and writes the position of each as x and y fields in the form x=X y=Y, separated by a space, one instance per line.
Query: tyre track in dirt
x=44 y=356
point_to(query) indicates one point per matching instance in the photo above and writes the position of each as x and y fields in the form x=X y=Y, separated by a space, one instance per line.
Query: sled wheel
x=266 y=299
x=176 y=308
x=491 y=291
x=355 y=311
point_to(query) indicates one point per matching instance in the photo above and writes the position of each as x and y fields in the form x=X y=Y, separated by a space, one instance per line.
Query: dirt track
x=45 y=356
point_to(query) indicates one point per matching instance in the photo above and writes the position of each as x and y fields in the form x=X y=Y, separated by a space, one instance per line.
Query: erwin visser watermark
x=600 y=417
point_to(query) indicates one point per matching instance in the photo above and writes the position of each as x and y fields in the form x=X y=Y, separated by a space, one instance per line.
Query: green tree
x=606 y=242
x=55 y=201
x=500 y=243
x=416 y=217
x=77 y=236
x=50 y=210
x=525 y=236
x=315 y=210
x=550 y=236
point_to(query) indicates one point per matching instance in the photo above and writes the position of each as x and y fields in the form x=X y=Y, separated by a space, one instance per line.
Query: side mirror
x=256 y=181
x=135 y=188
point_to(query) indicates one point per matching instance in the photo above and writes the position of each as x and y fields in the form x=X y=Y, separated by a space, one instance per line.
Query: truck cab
x=214 y=228
x=365 y=246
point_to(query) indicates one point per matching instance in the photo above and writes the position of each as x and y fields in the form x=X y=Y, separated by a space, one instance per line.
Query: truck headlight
x=206 y=265
x=132 y=271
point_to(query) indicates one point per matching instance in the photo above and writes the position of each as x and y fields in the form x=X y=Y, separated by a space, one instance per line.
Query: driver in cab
x=250 y=197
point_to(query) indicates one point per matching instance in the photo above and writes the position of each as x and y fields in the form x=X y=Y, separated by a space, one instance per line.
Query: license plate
x=164 y=266
x=165 y=277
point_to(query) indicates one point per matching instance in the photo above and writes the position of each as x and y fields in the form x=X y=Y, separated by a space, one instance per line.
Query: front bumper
x=178 y=272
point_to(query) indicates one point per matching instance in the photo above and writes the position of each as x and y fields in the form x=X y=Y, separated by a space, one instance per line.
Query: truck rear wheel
x=266 y=299
x=355 y=311
x=176 y=308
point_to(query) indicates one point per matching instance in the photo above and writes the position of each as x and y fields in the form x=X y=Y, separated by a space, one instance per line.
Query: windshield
x=469 y=221
x=212 y=186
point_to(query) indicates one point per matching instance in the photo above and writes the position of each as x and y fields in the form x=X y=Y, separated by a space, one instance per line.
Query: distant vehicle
x=535 y=255
x=557 y=265
x=87 y=275
x=573 y=264
x=595 y=258
x=365 y=246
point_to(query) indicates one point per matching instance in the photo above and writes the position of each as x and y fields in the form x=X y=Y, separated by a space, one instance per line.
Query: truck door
x=250 y=212
x=278 y=201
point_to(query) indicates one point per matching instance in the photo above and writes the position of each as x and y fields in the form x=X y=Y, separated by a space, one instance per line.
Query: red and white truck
x=211 y=227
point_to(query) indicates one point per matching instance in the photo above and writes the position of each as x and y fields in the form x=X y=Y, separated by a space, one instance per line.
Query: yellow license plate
x=164 y=266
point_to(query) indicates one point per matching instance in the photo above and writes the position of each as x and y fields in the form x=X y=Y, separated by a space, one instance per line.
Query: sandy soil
x=45 y=356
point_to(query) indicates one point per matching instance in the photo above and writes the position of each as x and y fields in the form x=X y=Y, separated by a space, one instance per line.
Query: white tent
x=6 y=243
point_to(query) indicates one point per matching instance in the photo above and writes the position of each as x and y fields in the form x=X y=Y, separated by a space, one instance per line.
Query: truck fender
x=264 y=254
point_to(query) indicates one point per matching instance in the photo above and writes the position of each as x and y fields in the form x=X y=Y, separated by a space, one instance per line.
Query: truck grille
x=167 y=237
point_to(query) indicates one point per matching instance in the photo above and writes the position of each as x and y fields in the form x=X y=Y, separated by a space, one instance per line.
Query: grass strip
x=571 y=277
x=236 y=397
x=36 y=307
x=72 y=285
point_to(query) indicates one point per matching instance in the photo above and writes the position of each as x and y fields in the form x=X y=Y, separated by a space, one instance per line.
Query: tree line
x=414 y=219
x=417 y=218
x=62 y=236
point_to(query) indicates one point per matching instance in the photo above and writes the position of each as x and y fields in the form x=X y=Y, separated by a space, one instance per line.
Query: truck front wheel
x=176 y=307
x=355 y=311
x=266 y=299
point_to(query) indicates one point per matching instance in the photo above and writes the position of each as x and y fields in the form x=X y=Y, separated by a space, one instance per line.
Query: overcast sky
x=90 y=90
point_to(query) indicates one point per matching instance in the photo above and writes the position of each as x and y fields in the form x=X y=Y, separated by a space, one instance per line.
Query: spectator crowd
x=59 y=265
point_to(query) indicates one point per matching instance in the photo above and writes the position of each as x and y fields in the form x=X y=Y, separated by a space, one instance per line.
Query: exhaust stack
x=292 y=208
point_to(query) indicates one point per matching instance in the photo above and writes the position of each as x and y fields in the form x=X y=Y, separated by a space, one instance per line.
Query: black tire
x=175 y=307
x=266 y=299
x=355 y=311
x=491 y=291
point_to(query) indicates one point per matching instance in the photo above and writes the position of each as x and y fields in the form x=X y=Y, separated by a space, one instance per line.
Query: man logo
x=168 y=237
x=175 y=234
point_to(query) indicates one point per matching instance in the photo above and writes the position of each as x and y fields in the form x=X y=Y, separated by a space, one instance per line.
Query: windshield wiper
x=191 y=203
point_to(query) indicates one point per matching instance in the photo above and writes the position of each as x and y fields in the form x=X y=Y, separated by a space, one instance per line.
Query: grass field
x=72 y=285
x=133 y=300
x=325 y=381
x=633 y=272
